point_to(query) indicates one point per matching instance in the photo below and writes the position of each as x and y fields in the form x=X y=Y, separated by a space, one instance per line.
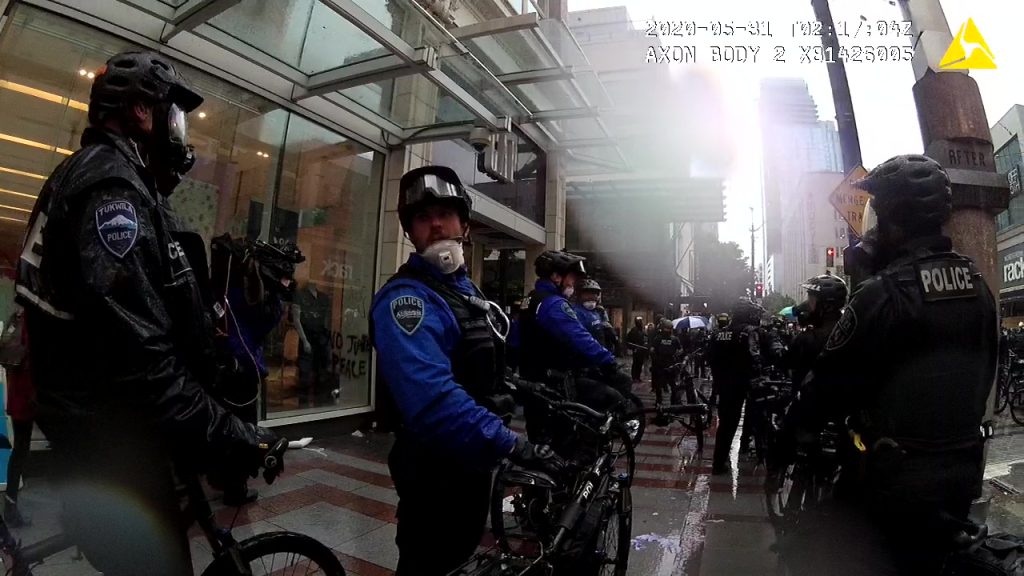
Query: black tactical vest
x=478 y=362
x=539 y=351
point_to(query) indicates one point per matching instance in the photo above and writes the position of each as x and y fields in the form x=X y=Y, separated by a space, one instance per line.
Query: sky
x=881 y=92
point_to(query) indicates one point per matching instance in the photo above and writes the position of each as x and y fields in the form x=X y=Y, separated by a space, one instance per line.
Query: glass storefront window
x=328 y=203
x=250 y=154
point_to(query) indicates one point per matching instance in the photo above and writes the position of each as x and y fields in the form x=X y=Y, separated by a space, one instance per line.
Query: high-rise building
x=794 y=142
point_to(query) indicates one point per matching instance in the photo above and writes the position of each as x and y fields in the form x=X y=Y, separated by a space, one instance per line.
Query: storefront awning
x=396 y=67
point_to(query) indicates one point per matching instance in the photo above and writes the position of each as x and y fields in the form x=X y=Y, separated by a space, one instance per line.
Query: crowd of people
x=908 y=360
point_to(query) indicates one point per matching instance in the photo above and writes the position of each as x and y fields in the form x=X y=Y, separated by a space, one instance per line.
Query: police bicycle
x=697 y=417
x=578 y=522
x=278 y=553
x=768 y=401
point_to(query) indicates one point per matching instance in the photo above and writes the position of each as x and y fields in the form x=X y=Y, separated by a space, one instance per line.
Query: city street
x=685 y=521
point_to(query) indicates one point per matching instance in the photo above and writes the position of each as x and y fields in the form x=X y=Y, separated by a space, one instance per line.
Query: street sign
x=1014 y=178
x=850 y=201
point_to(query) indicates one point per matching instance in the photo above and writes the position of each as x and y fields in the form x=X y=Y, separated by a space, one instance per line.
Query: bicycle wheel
x=283 y=553
x=612 y=540
x=1015 y=400
x=1002 y=395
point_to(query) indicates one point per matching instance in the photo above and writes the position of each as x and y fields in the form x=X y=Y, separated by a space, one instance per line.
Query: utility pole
x=846 y=122
x=955 y=133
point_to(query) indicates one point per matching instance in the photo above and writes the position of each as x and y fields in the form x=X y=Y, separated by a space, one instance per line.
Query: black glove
x=534 y=457
x=263 y=449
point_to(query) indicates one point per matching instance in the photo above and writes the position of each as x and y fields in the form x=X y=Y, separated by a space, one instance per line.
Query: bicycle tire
x=623 y=517
x=1015 y=398
x=273 y=543
x=1002 y=398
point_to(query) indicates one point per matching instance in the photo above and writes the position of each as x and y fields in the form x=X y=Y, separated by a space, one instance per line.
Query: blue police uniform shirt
x=415 y=334
x=557 y=318
x=591 y=319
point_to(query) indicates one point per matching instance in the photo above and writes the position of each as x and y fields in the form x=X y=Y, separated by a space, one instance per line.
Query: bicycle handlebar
x=273 y=461
x=553 y=399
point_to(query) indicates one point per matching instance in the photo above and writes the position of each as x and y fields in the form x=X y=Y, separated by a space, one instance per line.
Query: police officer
x=910 y=362
x=665 y=353
x=440 y=345
x=121 y=344
x=588 y=310
x=735 y=358
x=554 y=342
x=636 y=341
x=826 y=296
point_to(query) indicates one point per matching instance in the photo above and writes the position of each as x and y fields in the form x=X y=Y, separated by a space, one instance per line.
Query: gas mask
x=170 y=156
x=445 y=255
x=590 y=304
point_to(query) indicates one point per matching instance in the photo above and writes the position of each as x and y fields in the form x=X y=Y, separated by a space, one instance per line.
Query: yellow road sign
x=968 y=50
x=850 y=201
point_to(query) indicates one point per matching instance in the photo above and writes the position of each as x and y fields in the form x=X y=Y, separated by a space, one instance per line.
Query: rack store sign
x=1012 y=261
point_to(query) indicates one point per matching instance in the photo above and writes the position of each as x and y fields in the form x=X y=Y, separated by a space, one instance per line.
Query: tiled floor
x=338 y=490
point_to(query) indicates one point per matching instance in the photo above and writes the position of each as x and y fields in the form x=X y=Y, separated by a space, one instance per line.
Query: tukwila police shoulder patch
x=117 y=226
x=843 y=331
x=408 y=313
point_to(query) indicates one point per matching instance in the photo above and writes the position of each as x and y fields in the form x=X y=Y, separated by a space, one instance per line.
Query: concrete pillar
x=955 y=133
x=554 y=201
x=476 y=262
x=529 y=277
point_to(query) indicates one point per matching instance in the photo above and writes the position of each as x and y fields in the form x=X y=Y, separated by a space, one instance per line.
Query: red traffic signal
x=759 y=290
x=830 y=257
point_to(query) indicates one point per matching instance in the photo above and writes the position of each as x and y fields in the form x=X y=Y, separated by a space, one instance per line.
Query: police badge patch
x=408 y=313
x=117 y=226
x=843 y=331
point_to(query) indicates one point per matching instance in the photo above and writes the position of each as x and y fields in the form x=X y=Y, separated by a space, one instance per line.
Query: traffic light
x=830 y=257
x=759 y=290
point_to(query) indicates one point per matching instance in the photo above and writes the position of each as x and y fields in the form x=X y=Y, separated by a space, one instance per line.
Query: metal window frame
x=369 y=25
x=193 y=13
x=366 y=72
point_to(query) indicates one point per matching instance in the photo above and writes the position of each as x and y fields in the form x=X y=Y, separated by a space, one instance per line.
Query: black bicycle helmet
x=559 y=261
x=911 y=191
x=131 y=76
x=827 y=289
x=722 y=319
x=431 y=185
x=590 y=285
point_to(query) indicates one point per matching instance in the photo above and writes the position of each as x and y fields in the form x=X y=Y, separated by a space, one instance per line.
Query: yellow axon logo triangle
x=968 y=50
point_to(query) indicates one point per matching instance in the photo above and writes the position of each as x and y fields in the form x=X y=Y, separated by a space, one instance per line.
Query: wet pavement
x=685 y=521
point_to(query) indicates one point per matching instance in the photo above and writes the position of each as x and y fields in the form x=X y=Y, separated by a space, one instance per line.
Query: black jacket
x=121 y=340
x=734 y=354
x=804 y=350
x=912 y=360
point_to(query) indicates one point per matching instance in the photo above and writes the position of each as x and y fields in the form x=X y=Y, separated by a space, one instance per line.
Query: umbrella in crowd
x=689 y=322
x=788 y=313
